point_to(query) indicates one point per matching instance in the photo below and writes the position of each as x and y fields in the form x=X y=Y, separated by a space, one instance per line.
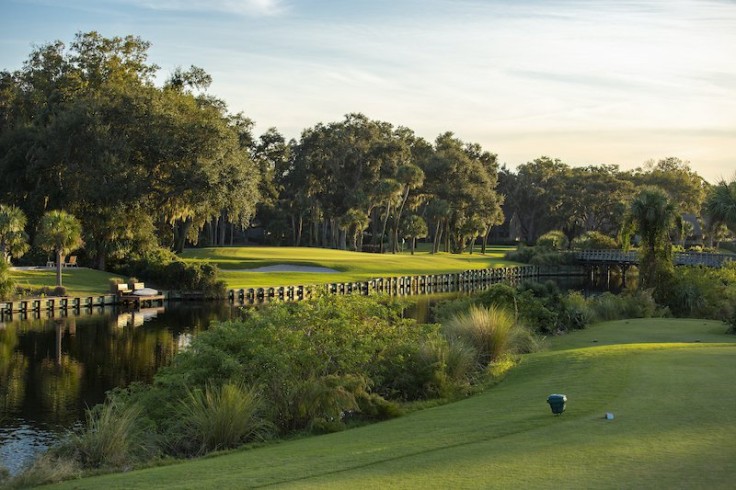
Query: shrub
x=7 y=284
x=555 y=240
x=637 y=304
x=59 y=291
x=522 y=254
x=219 y=417
x=540 y=255
x=594 y=240
x=702 y=292
x=162 y=268
x=112 y=437
x=576 y=312
x=492 y=332
x=47 y=468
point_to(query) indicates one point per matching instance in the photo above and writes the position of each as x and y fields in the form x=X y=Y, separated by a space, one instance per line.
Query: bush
x=540 y=255
x=7 y=284
x=637 y=304
x=58 y=291
x=219 y=417
x=554 y=240
x=702 y=292
x=594 y=240
x=491 y=332
x=162 y=268
x=46 y=469
x=576 y=312
x=112 y=437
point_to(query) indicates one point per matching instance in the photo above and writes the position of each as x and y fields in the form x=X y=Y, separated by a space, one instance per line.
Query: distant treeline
x=84 y=128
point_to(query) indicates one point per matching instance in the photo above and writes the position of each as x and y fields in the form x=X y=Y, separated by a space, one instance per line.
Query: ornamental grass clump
x=492 y=332
x=220 y=417
x=112 y=437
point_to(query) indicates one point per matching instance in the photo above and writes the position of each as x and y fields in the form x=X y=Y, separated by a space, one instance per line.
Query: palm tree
x=720 y=205
x=13 y=238
x=652 y=215
x=414 y=227
x=61 y=233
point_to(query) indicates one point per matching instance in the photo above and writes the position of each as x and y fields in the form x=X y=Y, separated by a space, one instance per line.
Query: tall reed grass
x=219 y=417
x=492 y=332
x=112 y=437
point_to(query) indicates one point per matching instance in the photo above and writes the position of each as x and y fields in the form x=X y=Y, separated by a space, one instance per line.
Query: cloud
x=239 y=7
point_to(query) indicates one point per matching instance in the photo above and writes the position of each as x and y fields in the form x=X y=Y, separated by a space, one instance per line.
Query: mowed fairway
x=673 y=400
x=235 y=263
x=79 y=281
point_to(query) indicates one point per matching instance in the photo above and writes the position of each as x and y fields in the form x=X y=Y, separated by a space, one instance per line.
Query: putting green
x=235 y=263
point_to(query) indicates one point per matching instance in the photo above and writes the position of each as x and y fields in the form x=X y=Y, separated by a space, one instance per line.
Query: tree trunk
x=101 y=257
x=223 y=224
x=385 y=222
x=413 y=244
x=59 y=262
x=437 y=237
x=181 y=232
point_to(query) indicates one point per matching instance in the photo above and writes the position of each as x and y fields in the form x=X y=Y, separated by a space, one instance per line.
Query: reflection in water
x=52 y=369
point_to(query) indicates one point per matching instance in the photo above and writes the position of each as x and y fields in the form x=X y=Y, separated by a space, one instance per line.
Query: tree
x=61 y=233
x=414 y=227
x=463 y=177
x=720 y=205
x=535 y=194
x=652 y=215
x=13 y=238
x=684 y=187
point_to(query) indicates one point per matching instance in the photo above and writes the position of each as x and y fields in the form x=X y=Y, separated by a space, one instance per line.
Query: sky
x=589 y=82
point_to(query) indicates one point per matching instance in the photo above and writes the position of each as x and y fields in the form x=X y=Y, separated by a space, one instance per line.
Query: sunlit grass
x=350 y=266
x=78 y=281
x=672 y=400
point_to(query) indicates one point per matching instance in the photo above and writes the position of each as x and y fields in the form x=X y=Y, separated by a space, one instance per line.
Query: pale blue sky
x=589 y=82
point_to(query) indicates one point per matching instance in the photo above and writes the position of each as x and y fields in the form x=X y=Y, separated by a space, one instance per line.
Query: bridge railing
x=680 y=258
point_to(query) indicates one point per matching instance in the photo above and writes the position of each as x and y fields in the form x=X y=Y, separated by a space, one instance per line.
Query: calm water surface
x=52 y=369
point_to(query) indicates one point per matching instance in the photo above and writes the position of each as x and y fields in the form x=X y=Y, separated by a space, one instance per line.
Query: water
x=52 y=369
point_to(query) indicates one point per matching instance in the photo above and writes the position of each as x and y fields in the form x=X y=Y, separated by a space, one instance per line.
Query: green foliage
x=13 y=238
x=702 y=292
x=61 y=233
x=218 y=417
x=652 y=216
x=636 y=304
x=46 y=469
x=317 y=364
x=594 y=240
x=163 y=268
x=491 y=332
x=555 y=240
x=539 y=255
x=112 y=437
x=7 y=283
x=720 y=204
x=576 y=311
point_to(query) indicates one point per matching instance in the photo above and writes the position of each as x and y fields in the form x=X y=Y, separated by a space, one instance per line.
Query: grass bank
x=672 y=398
x=236 y=263
x=78 y=281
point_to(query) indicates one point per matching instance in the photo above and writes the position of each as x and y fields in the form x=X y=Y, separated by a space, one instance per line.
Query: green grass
x=234 y=262
x=351 y=266
x=79 y=281
x=673 y=402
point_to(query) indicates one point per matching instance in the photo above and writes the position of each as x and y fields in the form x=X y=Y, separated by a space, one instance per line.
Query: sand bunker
x=292 y=268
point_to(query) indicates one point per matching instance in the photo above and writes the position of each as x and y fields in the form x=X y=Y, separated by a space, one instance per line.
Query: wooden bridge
x=626 y=259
